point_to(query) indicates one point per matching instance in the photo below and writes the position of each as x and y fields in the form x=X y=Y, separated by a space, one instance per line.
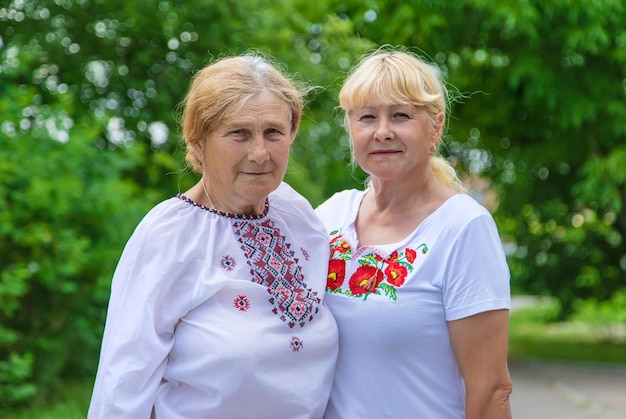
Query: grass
x=70 y=403
x=531 y=336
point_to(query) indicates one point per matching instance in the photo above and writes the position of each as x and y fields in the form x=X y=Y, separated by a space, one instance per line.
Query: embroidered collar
x=229 y=214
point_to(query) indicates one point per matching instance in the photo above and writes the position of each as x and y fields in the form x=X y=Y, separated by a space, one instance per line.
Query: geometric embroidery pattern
x=241 y=303
x=273 y=264
x=296 y=343
x=228 y=263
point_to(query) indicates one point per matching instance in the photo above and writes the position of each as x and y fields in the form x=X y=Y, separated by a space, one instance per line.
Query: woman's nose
x=258 y=152
x=384 y=131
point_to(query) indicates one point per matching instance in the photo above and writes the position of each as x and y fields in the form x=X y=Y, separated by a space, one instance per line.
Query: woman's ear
x=196 y=149
x=293 y=137
x=438 y=122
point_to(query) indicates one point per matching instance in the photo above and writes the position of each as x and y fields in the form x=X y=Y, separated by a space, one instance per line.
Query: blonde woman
x=418 y=280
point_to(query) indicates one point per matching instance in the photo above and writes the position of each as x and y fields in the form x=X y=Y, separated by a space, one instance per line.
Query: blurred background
x=89 y=142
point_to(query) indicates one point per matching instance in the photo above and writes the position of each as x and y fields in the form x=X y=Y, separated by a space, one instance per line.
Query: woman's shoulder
x=341 y=199
x=341 y=208
x=286 y=199
x=165 y=211
x=286 y=193
x=462 y=214
x=462 y=207
x=292 y=206
x=168 y=222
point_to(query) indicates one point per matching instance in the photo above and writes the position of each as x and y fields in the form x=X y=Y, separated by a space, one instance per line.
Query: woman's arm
x=142 y=314
x=134 y=350
x=480 y=344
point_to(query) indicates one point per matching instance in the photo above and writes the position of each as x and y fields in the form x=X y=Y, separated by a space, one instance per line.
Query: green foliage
x=608 y=317
x=71 y=401
x=130 y=63
x=15 y=376
x=65 y=215
x=89 y=95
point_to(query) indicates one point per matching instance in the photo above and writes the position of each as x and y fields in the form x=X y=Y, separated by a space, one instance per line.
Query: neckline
x=355 y=214
x=228 y=214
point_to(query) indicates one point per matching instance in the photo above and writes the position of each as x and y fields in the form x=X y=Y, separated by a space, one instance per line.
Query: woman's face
x=245 y=157
x=393 y=141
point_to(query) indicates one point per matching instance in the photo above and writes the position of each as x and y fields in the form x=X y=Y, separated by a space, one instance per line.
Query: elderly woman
x=216 y=307
x=418 y=280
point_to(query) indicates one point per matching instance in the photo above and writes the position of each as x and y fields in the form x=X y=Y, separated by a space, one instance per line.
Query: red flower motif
x=396 y=274
x=336 y=273
x=242 y=303
x=393 y=256
x=410 y=255
x=342 y=246
x=365 y=279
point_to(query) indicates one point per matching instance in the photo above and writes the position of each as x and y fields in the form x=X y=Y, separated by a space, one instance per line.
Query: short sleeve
x=477 y=277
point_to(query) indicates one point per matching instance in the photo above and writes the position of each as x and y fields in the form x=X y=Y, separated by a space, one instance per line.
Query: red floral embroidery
x=296 y=343
x=361 y=281
x=242 y=303
x=336 y=273
x=339 y=245
x=410 y=255
x=377 y=274
x=228 y=262
x=396 y=274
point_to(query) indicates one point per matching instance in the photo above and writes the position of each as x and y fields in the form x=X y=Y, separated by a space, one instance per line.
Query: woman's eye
x=274 y=134
x=401 y=115
x=277 y=134
x=237 y=134
x=366 y=117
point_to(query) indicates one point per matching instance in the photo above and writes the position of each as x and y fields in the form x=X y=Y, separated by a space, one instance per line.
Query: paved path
x=565 y=391
x=544 y=390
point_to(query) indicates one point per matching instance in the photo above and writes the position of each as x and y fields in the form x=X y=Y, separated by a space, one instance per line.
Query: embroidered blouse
x=215 y=315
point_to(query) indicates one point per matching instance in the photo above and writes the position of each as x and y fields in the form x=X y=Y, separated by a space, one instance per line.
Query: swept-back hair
x=221 y=88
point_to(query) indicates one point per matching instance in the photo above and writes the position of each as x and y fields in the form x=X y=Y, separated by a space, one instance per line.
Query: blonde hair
x=396 y=76
x=223 y=87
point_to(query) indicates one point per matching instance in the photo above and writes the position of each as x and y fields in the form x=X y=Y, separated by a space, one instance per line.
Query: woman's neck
x=390 y=212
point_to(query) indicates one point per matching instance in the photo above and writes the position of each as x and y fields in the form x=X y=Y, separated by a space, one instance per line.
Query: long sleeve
x=147 y=299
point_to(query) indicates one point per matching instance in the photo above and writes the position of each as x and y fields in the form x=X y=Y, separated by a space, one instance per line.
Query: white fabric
x=189 y=334
x=395 y=358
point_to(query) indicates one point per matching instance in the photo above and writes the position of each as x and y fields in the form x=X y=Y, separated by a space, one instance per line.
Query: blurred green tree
x=65 y=213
